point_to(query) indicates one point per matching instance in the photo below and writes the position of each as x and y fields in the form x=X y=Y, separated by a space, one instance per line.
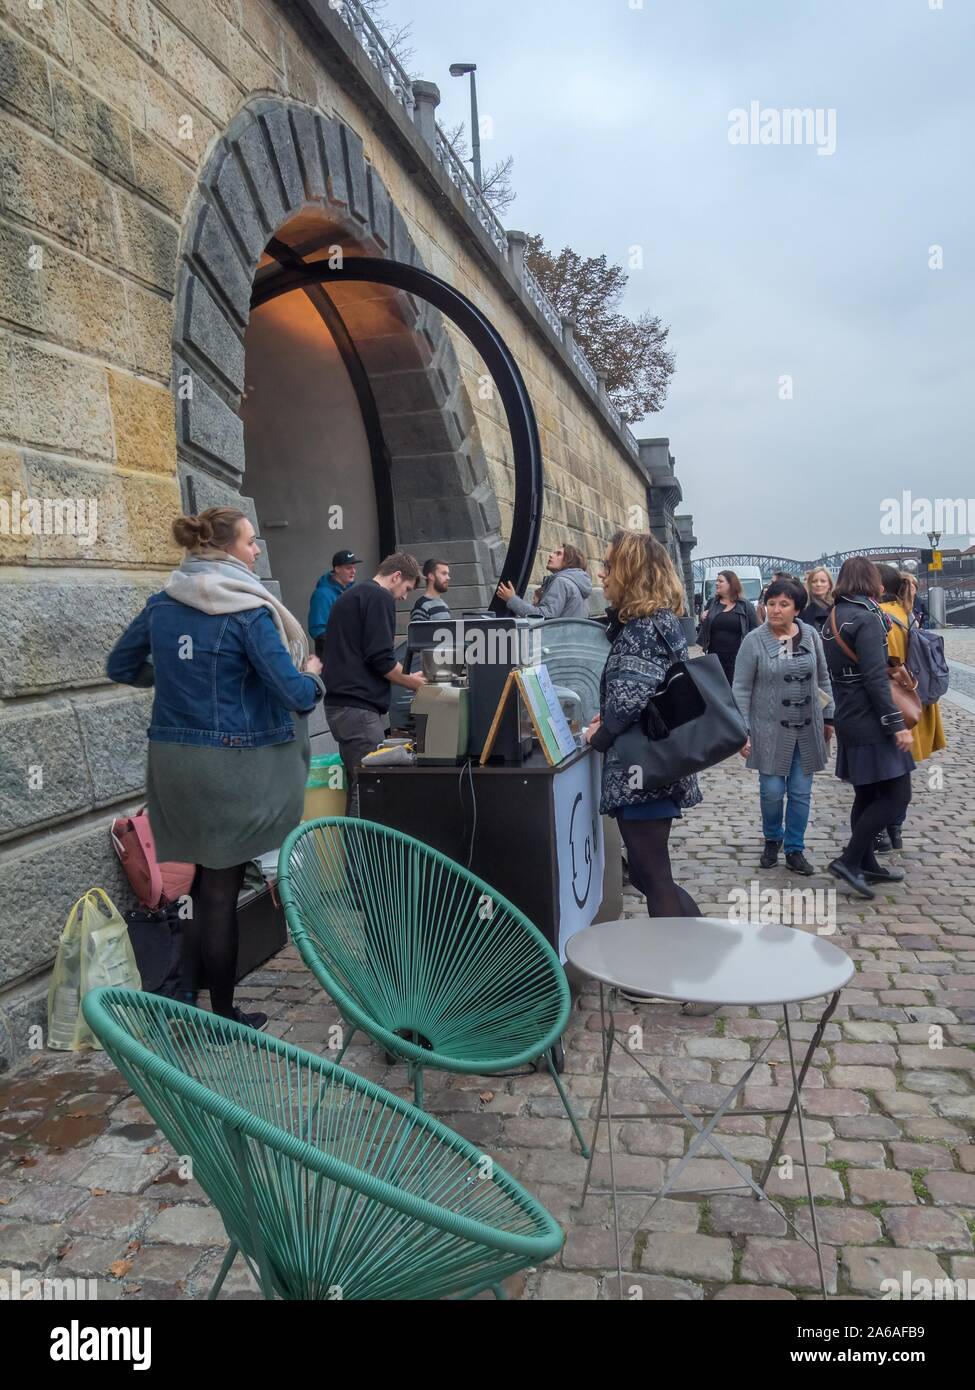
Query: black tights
x=215 y=934
x=875 y=806
x=648 y=857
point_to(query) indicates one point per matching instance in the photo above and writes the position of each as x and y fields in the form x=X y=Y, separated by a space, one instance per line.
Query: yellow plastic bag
x=94 y=950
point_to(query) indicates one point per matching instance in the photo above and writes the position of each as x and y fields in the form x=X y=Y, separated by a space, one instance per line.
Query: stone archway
x=282 y=165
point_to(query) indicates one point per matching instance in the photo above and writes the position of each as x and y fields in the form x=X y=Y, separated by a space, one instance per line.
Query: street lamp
x=933 y=538
x=461 y=70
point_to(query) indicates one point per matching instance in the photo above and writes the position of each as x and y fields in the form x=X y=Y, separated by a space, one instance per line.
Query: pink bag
x=154 y=884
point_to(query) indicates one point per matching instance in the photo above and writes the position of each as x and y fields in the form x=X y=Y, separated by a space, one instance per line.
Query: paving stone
x=902 y=1104
x=790 y=1263
x=48 y=1202
x=841 y=1225
x=936 y=1083
x=911 y=1156
x=164 y=1263
x=742 y=1293
x=745 y=1216
x=966 y=1157
x=861 y=1155
x=28 y=1245
x=923 y=1058
x=869 y=1032
x=927 y=1228
x=594 y=1247
x=863 y=1078
x=867 y=1186
x=558 y=1284
x=952 y=1189
x=868 y=1266
x=664 y=1140
x=651 y=1288
x=722 y=1048
x=701 y=1257
x=187 y=1225
x=122 y=1174
x=91 y=1257
x=825 y=1182
x=111 y=1215
x=865 y=1054
x=706 y=1173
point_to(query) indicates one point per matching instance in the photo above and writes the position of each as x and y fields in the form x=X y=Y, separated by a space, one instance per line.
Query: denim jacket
x=221 y=681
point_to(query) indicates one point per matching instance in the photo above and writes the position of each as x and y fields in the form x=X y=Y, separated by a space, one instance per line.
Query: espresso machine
x=466 y=662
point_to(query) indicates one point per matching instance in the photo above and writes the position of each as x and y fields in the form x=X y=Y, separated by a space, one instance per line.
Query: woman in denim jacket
x=646 y=599
x=228 y=740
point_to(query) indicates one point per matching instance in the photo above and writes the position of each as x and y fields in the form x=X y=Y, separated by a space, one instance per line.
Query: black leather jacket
x=865 y=709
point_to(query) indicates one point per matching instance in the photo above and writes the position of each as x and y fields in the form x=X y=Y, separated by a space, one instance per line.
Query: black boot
x=896 y=838
x=770 y=854
x=798 y=863
x=856 y=880
x=879 y=875
x=882 y=843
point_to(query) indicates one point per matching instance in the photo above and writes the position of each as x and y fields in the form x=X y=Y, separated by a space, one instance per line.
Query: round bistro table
x=708 y=960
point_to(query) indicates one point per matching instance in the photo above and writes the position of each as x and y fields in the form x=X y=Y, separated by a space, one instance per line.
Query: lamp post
x=934 y=538
x=461 y=70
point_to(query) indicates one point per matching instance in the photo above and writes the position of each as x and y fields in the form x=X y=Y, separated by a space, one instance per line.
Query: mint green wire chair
x=329 y=1186
x=420 y=953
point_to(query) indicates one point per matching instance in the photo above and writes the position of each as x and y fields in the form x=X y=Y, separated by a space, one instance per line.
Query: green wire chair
x=421 y=954
x=329 y=1186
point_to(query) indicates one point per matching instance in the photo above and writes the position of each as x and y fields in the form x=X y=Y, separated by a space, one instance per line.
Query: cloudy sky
x=768 y=261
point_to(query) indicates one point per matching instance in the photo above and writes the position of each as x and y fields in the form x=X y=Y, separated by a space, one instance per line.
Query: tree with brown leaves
x=632 y=352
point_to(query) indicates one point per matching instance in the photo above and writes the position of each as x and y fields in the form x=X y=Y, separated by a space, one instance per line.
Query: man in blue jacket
x=339 y=578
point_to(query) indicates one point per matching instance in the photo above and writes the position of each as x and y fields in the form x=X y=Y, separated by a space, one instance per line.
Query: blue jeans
x=772 y=792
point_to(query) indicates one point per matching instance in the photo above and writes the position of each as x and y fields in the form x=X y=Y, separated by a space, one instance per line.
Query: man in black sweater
x=359 y=665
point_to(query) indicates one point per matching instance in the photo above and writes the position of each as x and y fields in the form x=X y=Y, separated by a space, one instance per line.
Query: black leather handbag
x=689 y=724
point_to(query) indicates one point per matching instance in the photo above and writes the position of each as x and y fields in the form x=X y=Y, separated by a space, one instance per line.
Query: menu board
x=533 y=684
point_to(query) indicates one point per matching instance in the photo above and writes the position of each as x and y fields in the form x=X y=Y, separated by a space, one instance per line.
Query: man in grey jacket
x=565 y=590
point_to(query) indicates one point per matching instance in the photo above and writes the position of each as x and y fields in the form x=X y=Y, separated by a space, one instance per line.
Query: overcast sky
x=766 y=260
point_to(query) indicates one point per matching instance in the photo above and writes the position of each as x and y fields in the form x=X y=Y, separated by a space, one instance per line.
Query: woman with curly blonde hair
x=646 y=601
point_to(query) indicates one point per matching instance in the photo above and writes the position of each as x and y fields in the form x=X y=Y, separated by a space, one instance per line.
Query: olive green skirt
x=223 y=806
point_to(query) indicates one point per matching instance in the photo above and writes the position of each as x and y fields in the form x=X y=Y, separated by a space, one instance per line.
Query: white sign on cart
x=580 y=850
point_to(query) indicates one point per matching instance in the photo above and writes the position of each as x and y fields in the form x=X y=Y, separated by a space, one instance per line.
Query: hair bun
x=192 y=531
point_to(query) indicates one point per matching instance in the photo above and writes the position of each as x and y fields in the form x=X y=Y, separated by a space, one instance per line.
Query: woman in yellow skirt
x=929 y=734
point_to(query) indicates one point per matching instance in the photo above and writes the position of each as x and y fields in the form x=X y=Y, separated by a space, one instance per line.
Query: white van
x=751 y=583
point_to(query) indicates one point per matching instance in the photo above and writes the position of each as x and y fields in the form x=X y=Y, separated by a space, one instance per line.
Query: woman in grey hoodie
x=565 y=590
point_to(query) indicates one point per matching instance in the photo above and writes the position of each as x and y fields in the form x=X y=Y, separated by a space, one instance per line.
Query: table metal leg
x=797 y=1099
x=816 y=1039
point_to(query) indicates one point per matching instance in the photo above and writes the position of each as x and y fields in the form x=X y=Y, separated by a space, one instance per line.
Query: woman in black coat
x=819 y=587
x=727 y=621
x=873 y=744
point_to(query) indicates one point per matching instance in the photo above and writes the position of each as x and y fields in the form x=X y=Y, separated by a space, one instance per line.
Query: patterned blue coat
x=635 y=669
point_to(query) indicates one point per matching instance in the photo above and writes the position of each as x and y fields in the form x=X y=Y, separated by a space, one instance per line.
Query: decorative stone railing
x=509 y=245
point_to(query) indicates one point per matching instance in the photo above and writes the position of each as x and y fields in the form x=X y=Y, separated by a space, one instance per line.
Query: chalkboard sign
x=534 y=685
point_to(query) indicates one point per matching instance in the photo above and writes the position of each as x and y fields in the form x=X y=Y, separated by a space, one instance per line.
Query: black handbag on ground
x=689 y=724
x=157 y=940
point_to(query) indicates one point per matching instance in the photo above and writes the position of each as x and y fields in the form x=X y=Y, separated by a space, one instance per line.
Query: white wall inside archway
x=305 y=448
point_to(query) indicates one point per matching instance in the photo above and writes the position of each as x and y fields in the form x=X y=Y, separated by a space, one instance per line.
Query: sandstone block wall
x=108 y=110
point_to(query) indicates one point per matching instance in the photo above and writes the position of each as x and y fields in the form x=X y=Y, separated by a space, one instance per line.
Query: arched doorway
x=286 y=186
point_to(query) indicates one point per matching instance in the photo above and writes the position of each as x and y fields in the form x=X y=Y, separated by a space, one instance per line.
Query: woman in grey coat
x=780 y=672
x=564 y=592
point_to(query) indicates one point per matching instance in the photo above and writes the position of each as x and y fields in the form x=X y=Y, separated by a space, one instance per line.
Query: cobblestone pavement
x=89 y=1188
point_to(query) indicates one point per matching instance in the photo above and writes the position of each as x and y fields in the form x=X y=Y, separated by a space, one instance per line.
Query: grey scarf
x=212 y=581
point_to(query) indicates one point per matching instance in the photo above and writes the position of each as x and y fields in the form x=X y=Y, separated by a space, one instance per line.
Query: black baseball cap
x=345 y=557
